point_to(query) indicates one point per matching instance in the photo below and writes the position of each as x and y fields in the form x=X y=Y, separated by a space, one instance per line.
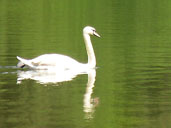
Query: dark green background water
x=133 y=81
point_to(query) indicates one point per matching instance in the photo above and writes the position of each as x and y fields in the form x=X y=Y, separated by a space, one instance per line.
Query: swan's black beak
x=96 y=34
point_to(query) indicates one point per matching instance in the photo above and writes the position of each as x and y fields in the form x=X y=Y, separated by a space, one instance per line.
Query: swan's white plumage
x=63 y=62
x=50 y=61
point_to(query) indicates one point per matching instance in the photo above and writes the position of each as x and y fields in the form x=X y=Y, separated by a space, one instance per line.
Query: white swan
x=62 y=62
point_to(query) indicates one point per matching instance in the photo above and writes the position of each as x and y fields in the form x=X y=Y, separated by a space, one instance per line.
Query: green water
x=130 y=89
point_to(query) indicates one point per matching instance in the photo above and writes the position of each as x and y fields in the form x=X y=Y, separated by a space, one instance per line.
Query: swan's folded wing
x=42 y=63
x=52 y=60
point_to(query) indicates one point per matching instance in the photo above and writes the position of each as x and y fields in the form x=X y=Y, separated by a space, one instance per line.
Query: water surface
x=131 y=86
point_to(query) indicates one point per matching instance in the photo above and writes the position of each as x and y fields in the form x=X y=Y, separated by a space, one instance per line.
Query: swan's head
x=90 y=31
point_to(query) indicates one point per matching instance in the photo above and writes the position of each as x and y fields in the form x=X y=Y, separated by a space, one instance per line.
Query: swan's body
x=51 y=61
x=62 y=62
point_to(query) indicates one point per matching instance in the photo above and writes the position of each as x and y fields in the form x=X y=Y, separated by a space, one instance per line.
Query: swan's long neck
x=90 y=51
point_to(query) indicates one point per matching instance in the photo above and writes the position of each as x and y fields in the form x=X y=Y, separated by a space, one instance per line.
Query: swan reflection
x=49 y=76
x=89 y=102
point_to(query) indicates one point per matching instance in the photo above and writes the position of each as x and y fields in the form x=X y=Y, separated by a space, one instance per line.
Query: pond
x=131 y=86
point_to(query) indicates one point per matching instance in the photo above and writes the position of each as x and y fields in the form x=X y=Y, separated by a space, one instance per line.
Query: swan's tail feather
x=20 y=65
x=23 y=62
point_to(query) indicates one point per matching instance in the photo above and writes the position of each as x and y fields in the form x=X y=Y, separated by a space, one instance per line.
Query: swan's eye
x=93 y=31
